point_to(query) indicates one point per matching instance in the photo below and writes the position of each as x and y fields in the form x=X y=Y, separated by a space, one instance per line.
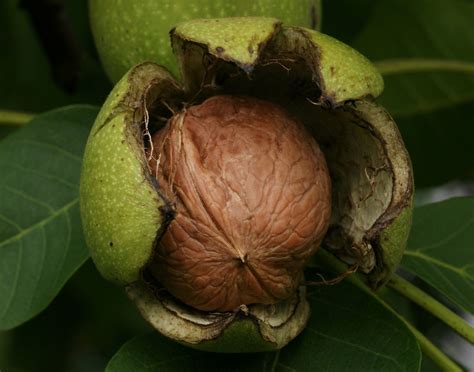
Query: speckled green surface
x=231 y=39
x=130 y=32
x=393 y=241
x=242 y=336
x=346 y=73
x=119 y=205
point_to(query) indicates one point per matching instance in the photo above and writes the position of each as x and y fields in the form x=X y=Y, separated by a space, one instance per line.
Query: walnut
x=252 y=198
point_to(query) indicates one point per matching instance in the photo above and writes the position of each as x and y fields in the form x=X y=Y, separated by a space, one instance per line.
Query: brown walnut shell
x=252 y=196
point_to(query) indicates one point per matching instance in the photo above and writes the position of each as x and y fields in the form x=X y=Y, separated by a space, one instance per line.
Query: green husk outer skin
x=234 y=332
x=393 y=241
x=130 y=32
x=238 y=40
x=344 y=74
x=120 y=207
x=241 y=336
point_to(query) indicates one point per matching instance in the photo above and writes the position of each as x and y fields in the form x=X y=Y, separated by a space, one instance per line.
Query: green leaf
x=348 y=330
x=84 y=326
x=5 y=130
x=440 y=249
x=41 y=242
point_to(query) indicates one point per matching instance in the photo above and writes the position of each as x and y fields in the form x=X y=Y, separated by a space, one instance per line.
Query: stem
x=397 y=66
x=434 y=307
x=14 y=117
x=430 y=349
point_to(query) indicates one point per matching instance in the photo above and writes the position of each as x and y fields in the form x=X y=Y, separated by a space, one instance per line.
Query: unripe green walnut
x=157 y=210
x=130 y=32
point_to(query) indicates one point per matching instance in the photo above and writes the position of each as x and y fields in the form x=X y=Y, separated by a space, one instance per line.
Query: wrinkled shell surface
x=252 y=197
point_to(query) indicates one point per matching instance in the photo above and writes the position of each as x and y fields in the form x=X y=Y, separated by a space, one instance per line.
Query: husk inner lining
x=362 y=179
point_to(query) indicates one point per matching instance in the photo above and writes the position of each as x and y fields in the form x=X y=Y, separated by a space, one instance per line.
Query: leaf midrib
x=459 y=270
x=41 y=223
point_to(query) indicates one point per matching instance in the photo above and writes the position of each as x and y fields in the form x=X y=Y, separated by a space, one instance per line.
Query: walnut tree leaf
x=440 y=249
x=41 y=243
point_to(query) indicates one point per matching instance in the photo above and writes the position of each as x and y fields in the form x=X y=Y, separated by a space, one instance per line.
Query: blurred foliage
x=80 y=331
x=26 y=78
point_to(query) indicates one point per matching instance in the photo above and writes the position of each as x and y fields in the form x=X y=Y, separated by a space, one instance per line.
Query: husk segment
x=372 y=183
x=121 y=209
x=250 y=329
x=340 y=72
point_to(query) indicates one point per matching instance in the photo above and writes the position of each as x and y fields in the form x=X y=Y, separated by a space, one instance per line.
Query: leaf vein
x=422 y=256
x=27 y=197
x=61 y=150
x=43 y=222
x=15 y=281
x=357 y=346
x=43 y=256
x=43 y=175
x=10 y=222
x=447 y=238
